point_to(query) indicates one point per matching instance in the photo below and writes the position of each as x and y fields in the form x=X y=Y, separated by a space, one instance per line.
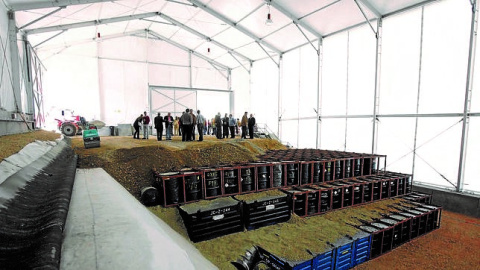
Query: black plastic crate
x=210 y=219
x=247 y=179
x=264 y=208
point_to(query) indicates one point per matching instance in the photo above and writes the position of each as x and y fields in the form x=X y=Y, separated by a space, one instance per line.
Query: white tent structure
x=389 y=77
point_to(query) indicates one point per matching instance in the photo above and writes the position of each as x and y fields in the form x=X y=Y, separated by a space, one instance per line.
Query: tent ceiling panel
x=179 y=12
x=229 y=61
x=385 y=7
x=253 y=51
x=255 y=23
x=214 y=53
x=322 y=16
x=207 y=24
x=163 y=29
x=187 y=39
x=303 y=8
x=234 y=10
x=233 y=38
x=289 y=37
x=339 y=16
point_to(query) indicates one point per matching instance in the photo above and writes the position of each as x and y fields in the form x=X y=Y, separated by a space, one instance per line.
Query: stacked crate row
x=206 y=183
x=226 y=215
x=311 y=200
x=372 y=240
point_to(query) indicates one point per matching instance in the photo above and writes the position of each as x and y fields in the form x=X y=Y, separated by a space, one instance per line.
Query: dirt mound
x=131 y=162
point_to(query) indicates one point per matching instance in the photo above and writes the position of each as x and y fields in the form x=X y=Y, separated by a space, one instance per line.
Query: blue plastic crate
x=344 y=252
x=361 y=248
x=324 y=261
x=282 y=264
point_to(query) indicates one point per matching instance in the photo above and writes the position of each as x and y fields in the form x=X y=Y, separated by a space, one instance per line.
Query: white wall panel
x=334 y=77
x=307 y=131
x=264 y=94
x=361 y=74
x=7 y=101
x=308 y=82
x=359 y=135
x=332 y=135
x=205 y=75
x=127 y=48
x=163 y=52
x=400 y=63
x=164 y=75
x=439 y=156
x=71 y=83
x=290 y=89
x=241 y=88
x=445 y=57
x=396 y=139
x=123 y=91
x=472 y=170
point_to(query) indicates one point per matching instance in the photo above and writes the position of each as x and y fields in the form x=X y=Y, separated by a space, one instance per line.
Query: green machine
x=91 y=138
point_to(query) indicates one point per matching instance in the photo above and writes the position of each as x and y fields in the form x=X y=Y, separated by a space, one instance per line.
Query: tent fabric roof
x=235 y=31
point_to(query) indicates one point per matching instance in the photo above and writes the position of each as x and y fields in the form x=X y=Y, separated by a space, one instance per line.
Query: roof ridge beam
x=211 y=61
x=89 y=23
x=296 y=21
x=52 y=4
x=234 y=25
x=195 y=32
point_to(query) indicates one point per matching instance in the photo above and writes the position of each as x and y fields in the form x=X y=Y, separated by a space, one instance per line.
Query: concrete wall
x=456 y=202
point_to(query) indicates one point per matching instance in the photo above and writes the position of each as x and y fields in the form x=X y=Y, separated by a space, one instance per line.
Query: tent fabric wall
x=7 y=101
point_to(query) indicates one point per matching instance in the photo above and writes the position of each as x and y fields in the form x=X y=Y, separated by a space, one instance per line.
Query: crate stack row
x=372 y=240
x=316 y=199
x=317 y=167
x=227 y=215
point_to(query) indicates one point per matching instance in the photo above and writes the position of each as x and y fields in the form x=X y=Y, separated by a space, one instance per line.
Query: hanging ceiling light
x=269 y=16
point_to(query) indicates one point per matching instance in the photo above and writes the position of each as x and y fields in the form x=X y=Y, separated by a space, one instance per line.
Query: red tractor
x=72 y=127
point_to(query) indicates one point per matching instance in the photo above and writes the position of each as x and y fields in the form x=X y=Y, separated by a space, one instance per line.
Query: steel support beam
x=232 y=24
x=376 y=96
x=267 y=53
x=418 y=92
x=14 y=61
x=365 y=16
x=367 y=4
x=160 y=37
x=279 y=96
x=50 y=38
x=198 y=34
x=232 y=93
x=41 y=18
x=27 y=77
x=90 y=23
x=468 y=95
x=319 y=91
x=189 y=89
x=50 y=4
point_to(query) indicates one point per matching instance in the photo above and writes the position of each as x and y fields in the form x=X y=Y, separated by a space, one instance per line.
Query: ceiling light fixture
x=269 y=16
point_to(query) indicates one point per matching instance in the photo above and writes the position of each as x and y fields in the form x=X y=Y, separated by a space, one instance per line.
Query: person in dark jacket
x=158 y=122
x=136 y=126
x=251 y=125
x=168 y=119
x=187 y=121
x=218 y=126
x=146 y=126
x=225 y=126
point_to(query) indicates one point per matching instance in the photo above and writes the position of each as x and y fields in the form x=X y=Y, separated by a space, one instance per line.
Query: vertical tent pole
x=377 y=85
x=14 y=61
x=418 y=93
x=279 y=98
x=468 y=95
x=319 y=90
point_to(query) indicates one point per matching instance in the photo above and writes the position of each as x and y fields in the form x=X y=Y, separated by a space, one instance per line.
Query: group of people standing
x=186 y=125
